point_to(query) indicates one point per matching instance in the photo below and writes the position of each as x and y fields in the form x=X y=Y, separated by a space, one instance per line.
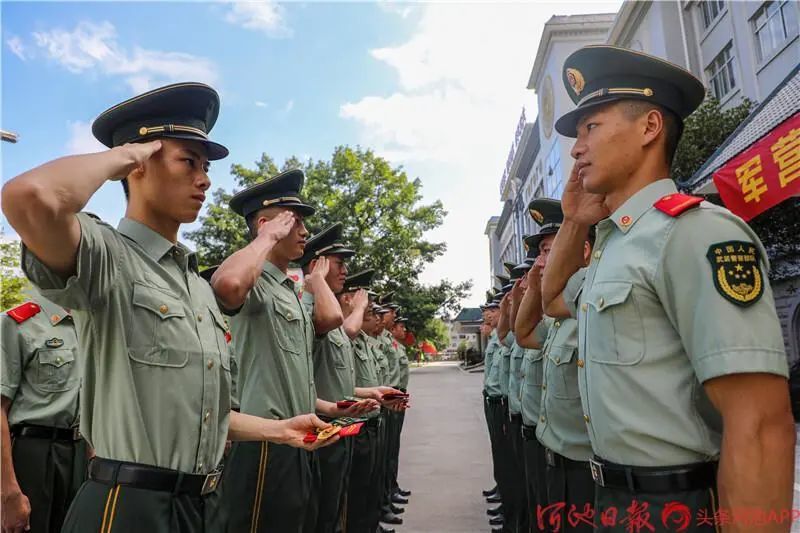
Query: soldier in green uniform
x=276 y=486
x=530 y=399
x=155 y=398
x=44 y=459
x=334 y=372
x=683 y=381
x=490 y=312
x=400 y=380
x=561 y=429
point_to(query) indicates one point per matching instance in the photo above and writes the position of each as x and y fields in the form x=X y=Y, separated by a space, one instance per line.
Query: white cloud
x=81 y=140
x=403 y=9
x=289 y=106
x=462 y=85
x=259 y=103
x=263 y=16
x=94 y=47
x=17 y=48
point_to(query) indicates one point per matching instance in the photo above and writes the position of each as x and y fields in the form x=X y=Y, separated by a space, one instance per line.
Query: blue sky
x=437 y=88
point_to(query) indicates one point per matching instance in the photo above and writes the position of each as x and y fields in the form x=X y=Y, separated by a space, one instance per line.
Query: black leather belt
x=679 y=478
x=374 y=422
x=557 y=460
x=148 y=477
x=45 y=432
x=494 y=400
x=516 y=418
x=528 y=432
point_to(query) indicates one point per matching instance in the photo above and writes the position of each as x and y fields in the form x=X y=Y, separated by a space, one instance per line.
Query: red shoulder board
x=675 y=204
x=23 y=312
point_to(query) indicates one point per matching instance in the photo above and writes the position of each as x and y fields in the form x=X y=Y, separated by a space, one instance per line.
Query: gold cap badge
x=537 y=216
x=575 y=79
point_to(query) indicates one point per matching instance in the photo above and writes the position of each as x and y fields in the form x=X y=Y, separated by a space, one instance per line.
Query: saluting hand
x=518 y=290
x=278 y=227
x=580 y=206
x=534 y=276
x=318 y=274
x=135 y=155
x=296 y=429
x=360 y=300
x=16 y=512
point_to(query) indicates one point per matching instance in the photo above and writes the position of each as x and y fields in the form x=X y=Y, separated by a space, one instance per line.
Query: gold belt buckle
x=210 y=484
x=548 y=454
x=597 y=472
x=76 y=433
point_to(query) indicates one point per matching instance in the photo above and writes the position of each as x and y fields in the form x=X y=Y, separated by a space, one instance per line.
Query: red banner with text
x=765 y=174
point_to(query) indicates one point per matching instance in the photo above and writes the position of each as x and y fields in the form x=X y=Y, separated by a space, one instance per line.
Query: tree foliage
x=12 y=283
x=703 y=132
x=383 y=218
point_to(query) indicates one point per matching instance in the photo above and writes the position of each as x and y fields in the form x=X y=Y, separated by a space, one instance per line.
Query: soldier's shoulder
x=23 y=312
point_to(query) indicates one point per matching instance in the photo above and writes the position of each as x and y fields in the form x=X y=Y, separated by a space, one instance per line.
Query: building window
x=773 y=25
x=711 y=10
x=552 y=173
x=720 y=73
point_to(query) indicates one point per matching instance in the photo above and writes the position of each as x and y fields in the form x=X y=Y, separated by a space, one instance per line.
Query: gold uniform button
x=210 y=364
x=541 y=419
x=557 y=324
x=586 y=417
x=580 y=363
x=544 y=387
x=208 y=414
x=584 y=307
x=601 y=303
x=558 y=360
x=597 y=254
x=163 y=309
x=199 y=318
x=289 y=316
x=58 y=360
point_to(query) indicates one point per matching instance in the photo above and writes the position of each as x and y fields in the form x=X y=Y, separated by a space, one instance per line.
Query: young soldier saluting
x=156 y=377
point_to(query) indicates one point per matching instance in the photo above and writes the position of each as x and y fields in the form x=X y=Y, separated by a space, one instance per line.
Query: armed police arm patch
x=736 y=270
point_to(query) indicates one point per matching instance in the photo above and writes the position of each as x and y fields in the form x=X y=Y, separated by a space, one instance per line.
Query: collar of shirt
x=277 y=274
x=155 y=245
x=627 y=214
x=54 y=313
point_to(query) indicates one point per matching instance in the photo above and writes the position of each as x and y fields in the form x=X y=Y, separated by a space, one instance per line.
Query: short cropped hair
x=673 y=127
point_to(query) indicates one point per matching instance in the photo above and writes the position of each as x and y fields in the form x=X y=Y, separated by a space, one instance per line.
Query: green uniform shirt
x=653 y=327
x=402 y=361
x=505 y=366
x=390 y=346
x=532 y=368
x=273 y=338
x=156 y=374
x=366 y=366
x=40 y=371
x=514 y=381
x=376 y=348
x=493 y=381
x=561 y=426
x=334 y=370
x=491 y=346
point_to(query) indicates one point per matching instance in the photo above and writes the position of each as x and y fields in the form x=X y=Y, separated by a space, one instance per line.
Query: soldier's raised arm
x=41 y=204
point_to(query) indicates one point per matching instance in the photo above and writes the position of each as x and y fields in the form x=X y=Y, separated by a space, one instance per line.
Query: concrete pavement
x=444 y=455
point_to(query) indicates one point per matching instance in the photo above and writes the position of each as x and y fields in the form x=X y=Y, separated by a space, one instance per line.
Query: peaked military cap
x=548 y=214
x=400 y=320
x=599 y=74
x=326 y=242
x=208 y=272
x=502 y=279
x=178 y=111
x=392 y=306
x=282 y=190
x=358 y=281
x=379 y=310
x=509 y=267
x=386 y=298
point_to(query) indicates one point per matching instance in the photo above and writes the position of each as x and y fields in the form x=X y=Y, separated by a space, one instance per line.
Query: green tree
x=435 y=332
x=703 y=132
x=12 y=283
x=381 y=211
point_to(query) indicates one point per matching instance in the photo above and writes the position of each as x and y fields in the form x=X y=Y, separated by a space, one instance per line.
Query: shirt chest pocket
x=562 y=374
x=288 y=327
x=55 y=370
x=223 y=334
x=615 y=331
x=159 y=330
x=534 y=371
x=338 y=350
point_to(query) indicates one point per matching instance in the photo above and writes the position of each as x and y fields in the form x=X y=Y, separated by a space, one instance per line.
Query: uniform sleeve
x=572 y=291
x=99 y=254
x=726 y=326
x=510 y=339
x=13 y=346
x=541 y=330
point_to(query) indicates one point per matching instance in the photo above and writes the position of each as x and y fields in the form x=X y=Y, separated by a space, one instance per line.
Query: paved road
x=444 y=456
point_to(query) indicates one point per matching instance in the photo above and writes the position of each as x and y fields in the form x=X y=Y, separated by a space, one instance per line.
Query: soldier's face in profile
x=399 y=331
x=174 y=180
x=294 y=244
x=337 y=272
x=370 y=322
x=608 y=149
x=544 y=251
